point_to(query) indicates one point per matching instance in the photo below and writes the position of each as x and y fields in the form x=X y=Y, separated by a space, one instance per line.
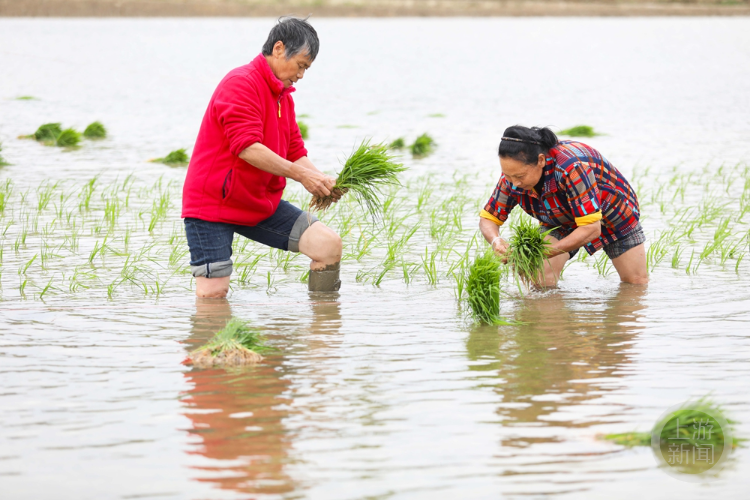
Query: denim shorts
x=210 y=243
x=613 y=250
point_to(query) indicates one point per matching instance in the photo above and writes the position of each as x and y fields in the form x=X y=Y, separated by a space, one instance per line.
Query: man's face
x=289 y=71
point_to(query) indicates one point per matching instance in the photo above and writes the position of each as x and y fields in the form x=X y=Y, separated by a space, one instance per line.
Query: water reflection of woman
x=551 y=363
x=571 y=187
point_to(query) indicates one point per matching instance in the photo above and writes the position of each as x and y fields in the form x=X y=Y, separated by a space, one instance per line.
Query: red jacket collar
x=276 y=85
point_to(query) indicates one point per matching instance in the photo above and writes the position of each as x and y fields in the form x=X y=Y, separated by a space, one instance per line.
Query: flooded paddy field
x=387 y=390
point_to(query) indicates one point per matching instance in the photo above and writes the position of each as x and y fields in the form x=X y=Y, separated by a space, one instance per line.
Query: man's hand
x=317 y=183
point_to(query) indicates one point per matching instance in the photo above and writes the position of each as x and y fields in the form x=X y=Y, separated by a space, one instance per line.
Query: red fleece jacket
x=250 y=105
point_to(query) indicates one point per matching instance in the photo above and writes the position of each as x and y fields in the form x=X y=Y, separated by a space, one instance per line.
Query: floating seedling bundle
x=579 y=131
x=528 y=251
x=95 y=130
x=423 y=145
x=366 y=172
x=176 y=157
x=236 y=344
x=303 y=130
x=483 y=288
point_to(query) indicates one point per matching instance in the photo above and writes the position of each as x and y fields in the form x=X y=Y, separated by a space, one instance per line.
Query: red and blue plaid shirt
x=579 y=187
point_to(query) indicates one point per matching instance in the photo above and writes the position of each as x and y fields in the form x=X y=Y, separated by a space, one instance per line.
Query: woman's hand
x=501 y=248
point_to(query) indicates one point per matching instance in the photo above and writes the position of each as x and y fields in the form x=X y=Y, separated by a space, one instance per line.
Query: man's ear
x=278 y=49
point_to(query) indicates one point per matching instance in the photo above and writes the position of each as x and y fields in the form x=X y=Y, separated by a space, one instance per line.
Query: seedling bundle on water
x=52 y=134
x=176 y=157
x=423 y=145
x=483 y=288
x=579 y=131
x=366 y=172
x=95 y=130
x=303 y=130
x=234 y=345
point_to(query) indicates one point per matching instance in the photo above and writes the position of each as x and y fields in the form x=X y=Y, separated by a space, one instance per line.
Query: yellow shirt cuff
x=484 y=214
x=588 y=219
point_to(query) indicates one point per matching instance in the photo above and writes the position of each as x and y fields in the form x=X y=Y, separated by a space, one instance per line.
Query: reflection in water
x=549 y=364
x=239 y=414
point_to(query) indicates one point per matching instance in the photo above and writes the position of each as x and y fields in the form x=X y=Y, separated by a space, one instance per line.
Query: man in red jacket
x=248 y=144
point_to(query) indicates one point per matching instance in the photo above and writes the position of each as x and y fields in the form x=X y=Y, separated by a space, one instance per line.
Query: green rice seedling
x=579 y=131
x=176 y=157
x=483 y=288
x=95 y=130
x=26 y=98
x=603 y=265
x=408 y=269
x=398 y=143
x=49 y=132
x=386 y=267
x=676 y=257
x=3 y=163
x=430 y=268
x=367 y=171
x=422 y=146
x=303 y=130
x=682 y=424
x=528 y=252
x=236 y=344
x=68 y=138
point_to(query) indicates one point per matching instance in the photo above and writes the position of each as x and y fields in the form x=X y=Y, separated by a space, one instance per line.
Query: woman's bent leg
x=631 y=266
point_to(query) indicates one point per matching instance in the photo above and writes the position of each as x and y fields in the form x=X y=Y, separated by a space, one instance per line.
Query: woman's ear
x=278 y=49
x=541 y=161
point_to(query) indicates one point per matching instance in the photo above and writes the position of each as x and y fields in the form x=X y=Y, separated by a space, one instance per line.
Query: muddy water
x=381 y=391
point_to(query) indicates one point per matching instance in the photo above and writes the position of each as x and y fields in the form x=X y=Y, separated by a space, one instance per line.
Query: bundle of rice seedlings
x=303 y=131
x=68 y=138
x=176 y=157
x=397 y=144
x=528 y=251
x=95 y=131
x=49 y=132
x=234 y=345
x=483 y=288
x=366 y=172
x=579 y=131
x=423 y=145
x=683 y=423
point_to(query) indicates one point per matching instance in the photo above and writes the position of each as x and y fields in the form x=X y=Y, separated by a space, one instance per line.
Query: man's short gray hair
x=297 y=35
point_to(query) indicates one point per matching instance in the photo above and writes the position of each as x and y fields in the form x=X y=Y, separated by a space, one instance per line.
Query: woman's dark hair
x=296 y=34
x=530 y=143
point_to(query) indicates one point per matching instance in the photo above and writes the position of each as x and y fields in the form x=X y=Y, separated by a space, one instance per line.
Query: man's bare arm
x=312 y=179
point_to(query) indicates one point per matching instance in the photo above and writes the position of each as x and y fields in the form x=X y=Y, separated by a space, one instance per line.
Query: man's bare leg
x=211 y=288
x=324 y=247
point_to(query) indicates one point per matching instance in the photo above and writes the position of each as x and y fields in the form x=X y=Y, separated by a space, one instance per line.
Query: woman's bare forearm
x=579 y=237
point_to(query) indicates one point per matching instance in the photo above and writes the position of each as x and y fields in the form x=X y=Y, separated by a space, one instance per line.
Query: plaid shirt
x=580 y=187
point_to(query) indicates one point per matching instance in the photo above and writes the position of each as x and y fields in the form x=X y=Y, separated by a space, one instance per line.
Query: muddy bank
x=356 y=8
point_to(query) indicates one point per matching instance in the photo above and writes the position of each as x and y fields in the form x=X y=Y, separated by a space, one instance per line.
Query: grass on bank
x=579 y=131
x=422 y=146
x=367 y=171
x=176 y=157
x=236 y=344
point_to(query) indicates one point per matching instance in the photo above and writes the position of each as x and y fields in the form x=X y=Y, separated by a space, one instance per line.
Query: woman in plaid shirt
x=569 y=186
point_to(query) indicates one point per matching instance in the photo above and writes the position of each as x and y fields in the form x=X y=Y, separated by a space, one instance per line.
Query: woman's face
x=522 y=175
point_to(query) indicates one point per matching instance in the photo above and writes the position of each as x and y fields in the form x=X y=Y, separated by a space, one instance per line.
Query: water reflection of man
x=248 y=145
x=543 y=361
x=239 y=415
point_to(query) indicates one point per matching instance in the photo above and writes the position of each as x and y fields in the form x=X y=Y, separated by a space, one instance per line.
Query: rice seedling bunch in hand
x=95 y=130
x=234 y=345
x=483 y=288
x=366 y=172
x=528 y=251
